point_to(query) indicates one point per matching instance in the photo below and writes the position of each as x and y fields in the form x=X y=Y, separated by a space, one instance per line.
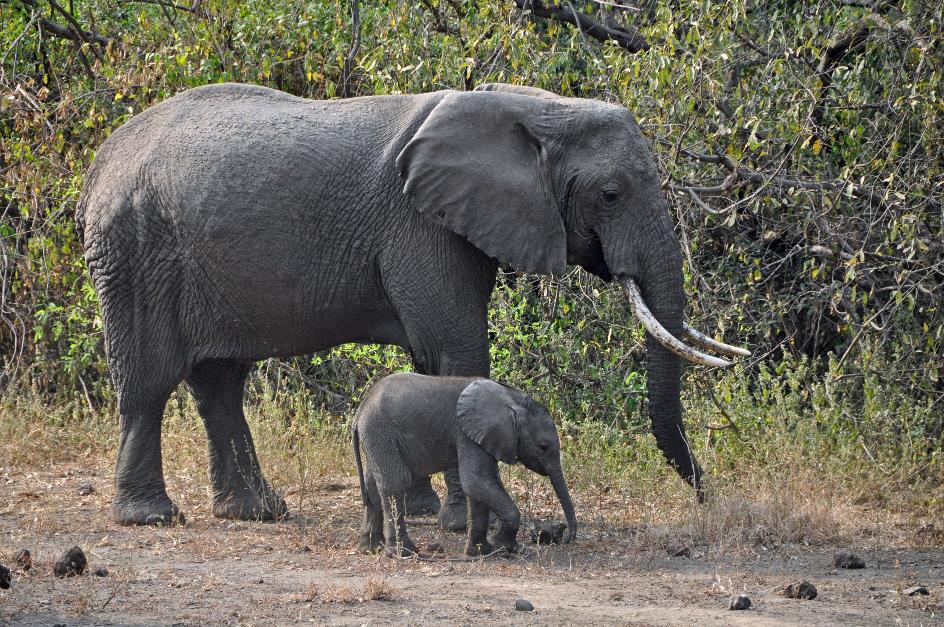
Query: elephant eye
x=609 y=195
x=543 y=448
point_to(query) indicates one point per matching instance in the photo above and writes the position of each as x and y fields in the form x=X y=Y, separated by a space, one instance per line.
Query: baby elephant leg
x=480 y=480
x=372 y=535
x=477 y=543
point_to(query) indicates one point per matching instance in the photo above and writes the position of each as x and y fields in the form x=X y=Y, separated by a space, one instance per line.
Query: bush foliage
x=801 y=146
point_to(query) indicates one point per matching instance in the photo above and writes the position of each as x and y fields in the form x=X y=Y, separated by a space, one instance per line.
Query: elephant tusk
x=656 y=330
x=703 y=341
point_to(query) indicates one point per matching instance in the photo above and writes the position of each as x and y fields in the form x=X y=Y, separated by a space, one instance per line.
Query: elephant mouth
x=586 y=251
x=674 y=344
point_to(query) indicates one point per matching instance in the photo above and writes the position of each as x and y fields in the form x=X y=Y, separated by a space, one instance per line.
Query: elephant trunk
x=647 y=260
x=563 y=495
x=662 y=290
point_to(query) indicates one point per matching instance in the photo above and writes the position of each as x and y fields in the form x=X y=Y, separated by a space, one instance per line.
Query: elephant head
x=512 y=427
x=539 y=181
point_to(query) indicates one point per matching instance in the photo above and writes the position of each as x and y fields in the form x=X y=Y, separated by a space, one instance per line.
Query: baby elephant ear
x=486 y=417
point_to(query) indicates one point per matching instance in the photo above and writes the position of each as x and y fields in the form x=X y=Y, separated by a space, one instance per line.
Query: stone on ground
x=547 y=532
x=800 y=589
x=71 y=564
x=740 y=602
x=845 y=559
x=24 y=560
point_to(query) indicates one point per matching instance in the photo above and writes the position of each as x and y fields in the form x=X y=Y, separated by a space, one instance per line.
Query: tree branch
x=193 y=9
x=355 y=47
x=58 y=30
x=630 y=39
x=852 y=39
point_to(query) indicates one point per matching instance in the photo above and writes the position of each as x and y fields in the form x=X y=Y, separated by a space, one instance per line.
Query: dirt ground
x=304 y=570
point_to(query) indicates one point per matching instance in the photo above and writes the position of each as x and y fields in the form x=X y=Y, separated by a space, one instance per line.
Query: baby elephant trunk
x=563 y=495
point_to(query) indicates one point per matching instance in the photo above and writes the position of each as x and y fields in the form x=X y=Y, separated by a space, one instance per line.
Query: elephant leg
x=484 y=486
x=454 y=514
x=140 y=495
x=477 y=543
x=449 y=338
x=239 y=489
x=422 y=500
x=396 y=538
x=372 y=532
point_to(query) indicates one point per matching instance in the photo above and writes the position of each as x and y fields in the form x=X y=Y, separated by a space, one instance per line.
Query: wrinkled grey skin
x=232 y=223
x=412 y=425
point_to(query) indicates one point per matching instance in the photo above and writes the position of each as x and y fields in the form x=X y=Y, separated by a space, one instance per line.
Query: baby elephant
x=413 y=425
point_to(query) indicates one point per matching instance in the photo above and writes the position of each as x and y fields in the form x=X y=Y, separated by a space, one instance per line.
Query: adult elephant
x=233 y=223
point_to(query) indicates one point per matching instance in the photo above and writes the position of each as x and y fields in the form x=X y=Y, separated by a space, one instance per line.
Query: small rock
x=523 y=605
x=24 y=560
x=678 y=550
x=85 y=489
x=547 y=533
x=71 y=563
x=800 y=589
x=5 y=577
x=740 y=602
x=101 y=572
x=917 y=590
x=844 y=559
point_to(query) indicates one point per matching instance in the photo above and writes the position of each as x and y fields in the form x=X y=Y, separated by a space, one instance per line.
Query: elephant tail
x=360 y=466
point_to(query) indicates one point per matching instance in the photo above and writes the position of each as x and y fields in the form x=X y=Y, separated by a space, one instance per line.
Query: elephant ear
x=523 y=90
x=478 y=166
x=486 y=416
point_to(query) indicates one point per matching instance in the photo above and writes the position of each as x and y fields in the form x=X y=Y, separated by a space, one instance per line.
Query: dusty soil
x=304 y=569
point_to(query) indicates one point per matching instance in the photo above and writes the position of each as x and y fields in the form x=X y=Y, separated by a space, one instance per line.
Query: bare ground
x=304 y=569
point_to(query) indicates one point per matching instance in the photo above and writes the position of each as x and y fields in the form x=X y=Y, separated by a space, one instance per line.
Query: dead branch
x=58 y=30
x=355 y=47
x=851 y=40
x=627 y=38
x=194 y=9
x=439 y=17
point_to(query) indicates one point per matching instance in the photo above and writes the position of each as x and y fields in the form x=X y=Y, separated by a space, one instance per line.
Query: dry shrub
x=375 y=589
x=379 y=589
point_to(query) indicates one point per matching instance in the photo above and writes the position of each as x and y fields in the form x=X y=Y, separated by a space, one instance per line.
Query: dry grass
x=775 y=499
x=379 y=589
x=374 y=589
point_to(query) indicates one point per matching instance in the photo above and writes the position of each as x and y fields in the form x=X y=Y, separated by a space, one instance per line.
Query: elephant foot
x=370 y=543
x=401 y=549
x=454 y=514
x=479 y=548
x=245 y=504
x=154 y=511
x=422 y=500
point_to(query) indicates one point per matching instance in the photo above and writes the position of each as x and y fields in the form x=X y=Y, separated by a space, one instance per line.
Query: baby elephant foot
x=479 y=548
x=505 y=540
x=156 y=510
x=262 y=503
x=370 y=543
